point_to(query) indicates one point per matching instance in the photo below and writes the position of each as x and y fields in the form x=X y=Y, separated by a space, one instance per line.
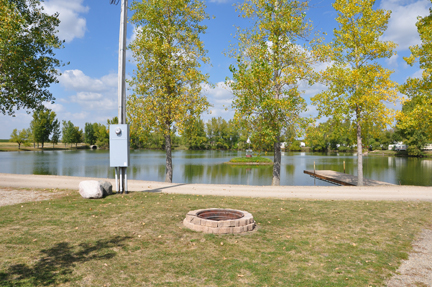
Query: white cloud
x=418 y=74
x=72 y=24
x=311 y=112
x=392 y=61
x=221 y=98
x=96 y=97
x=57 y=108
x=401 y=27
x=76 y=80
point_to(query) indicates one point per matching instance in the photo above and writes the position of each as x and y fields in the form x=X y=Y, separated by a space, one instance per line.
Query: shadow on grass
x=55 y=265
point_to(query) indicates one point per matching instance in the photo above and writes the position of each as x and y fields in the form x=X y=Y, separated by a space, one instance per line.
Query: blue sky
x=87 y=91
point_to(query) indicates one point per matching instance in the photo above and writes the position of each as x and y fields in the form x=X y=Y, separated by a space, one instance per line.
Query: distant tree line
x=45 y=128
x=334 y=135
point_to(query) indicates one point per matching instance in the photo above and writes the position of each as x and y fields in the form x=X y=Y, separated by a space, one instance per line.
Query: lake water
x=209 y=167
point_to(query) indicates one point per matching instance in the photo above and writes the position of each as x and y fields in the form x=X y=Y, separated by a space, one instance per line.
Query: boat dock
x=340 y=178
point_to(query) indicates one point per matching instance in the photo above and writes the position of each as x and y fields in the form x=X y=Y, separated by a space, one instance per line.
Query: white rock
x=91 y=189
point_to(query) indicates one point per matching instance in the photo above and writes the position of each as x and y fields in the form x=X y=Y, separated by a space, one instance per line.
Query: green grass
x=250 y=160
x=139 y=240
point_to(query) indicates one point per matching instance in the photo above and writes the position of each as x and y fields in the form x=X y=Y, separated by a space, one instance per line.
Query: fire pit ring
x=219 y=221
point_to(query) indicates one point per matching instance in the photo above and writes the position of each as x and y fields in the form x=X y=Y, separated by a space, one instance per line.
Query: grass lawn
x=139 y=240
x=251 y=160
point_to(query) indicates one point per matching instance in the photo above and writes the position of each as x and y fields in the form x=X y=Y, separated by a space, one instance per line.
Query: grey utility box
x=119 y=145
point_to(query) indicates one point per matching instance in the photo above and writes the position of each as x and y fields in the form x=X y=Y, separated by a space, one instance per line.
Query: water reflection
x=209 y=167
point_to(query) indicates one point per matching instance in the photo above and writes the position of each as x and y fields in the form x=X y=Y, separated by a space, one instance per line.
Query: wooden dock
x=340 y=178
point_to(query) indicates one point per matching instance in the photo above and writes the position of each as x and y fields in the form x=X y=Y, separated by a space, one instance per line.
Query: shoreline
x=398 y=192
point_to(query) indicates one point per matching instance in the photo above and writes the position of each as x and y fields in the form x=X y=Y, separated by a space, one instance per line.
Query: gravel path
x=9 y=196
x=417 y=270
x=396 y=192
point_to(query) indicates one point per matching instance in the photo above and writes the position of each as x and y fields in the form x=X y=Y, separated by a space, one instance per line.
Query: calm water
x=208 y=167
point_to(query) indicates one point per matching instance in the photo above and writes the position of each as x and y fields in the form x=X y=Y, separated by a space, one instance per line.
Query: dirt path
x=9 y=196
x=417 y=270
x=409 y=193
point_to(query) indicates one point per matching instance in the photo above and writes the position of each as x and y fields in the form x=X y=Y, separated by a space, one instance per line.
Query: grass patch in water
x=251 y=160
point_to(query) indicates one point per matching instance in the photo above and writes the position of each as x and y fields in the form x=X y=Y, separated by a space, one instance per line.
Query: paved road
x=305 y=192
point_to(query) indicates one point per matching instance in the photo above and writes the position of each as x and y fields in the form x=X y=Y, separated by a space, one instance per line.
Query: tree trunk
x=42 y=144
x=359 y=152
x=277 y=162
x=168 y=167
x=19 y=146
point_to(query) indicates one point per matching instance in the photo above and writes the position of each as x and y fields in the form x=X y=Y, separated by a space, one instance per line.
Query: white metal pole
x=122 y=80
x=116 y=181
x=122 y=65
x=126 y=188
x=121 y=181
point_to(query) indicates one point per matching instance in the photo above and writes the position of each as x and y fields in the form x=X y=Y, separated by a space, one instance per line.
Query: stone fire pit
x=219 y=221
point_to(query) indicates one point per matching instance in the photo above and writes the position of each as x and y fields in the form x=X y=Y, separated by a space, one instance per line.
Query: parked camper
x=427 y=147
x=398 y=146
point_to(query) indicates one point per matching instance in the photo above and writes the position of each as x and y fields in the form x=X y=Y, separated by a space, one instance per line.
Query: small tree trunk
x=19 y=146
x=359 y=153
x=42 y=144
x=168 y=167
x=277 y=162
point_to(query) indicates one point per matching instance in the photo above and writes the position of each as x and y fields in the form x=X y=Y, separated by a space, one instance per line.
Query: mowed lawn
x=139 y=240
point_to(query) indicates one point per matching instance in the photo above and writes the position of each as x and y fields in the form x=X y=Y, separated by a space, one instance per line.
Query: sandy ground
x=408 y=193
x=412 y=272
x=417 y=270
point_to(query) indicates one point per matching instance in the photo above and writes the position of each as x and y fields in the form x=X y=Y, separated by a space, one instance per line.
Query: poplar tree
x=417 y=114
x=270 y=64
x=43 y=123
x=167 y=83
x=358 y=86
x=27 y=60
x=19 y=137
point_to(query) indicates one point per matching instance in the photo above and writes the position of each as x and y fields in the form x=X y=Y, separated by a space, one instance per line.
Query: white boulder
x=94 y=188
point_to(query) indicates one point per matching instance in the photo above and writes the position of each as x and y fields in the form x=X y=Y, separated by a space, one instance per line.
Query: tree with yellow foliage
x=270 y=64
x=167 y=83
x=416 y=115
x=357 y=85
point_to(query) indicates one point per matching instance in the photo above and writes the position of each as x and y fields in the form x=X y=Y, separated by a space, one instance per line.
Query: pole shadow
x=161 y=188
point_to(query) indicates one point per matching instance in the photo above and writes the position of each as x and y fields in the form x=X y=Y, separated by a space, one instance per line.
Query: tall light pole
x=119 y=134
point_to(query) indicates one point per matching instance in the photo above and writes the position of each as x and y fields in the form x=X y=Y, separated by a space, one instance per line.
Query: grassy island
x=255 y=160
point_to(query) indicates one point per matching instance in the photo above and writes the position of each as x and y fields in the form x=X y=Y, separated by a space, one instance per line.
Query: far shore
x=6 y=146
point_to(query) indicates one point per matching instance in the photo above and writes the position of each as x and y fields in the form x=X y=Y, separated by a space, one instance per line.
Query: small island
x=257 y=160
